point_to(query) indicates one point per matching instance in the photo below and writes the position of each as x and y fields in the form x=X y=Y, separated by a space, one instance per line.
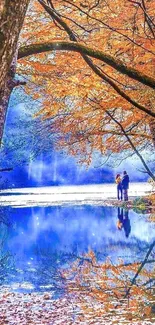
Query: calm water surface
x=35 y=243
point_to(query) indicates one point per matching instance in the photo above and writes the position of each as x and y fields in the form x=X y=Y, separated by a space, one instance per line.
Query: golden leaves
x=72 y=95
x=106 y=284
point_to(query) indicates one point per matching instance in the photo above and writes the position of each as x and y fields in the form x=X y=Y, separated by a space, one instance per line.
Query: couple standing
x=122 y=186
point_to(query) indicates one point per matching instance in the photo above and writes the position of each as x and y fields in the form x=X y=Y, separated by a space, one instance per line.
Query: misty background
x=29 y=148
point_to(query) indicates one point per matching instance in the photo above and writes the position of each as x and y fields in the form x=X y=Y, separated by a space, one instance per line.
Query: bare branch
x=140 y=268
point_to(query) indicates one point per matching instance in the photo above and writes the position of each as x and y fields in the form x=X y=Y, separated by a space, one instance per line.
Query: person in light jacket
x=119 y=187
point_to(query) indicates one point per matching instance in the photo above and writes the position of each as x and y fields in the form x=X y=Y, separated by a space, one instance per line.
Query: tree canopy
x=90 y=65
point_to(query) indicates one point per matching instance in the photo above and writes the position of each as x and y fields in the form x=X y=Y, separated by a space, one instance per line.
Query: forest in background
x=89 y=67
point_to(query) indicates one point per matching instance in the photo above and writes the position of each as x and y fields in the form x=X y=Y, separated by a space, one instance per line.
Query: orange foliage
x=73 y=93
x=100 y=288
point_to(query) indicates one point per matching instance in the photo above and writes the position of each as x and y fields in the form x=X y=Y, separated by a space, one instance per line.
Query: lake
x=63 y=250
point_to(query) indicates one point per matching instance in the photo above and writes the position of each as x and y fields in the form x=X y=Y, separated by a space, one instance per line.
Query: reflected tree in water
x=6 y=259
x=45 y=273
x=125 y=290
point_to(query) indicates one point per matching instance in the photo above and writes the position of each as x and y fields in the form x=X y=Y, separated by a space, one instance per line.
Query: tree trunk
x=12 y=15
x=152 y=130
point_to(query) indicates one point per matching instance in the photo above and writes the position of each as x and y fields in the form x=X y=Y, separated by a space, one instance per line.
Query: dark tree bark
x=12 y=15
x=152 y=130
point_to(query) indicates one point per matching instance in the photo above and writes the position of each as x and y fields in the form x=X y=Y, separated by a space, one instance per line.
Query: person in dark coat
x=125 y=185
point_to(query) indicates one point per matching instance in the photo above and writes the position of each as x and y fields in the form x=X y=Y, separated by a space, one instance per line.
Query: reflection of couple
x=122 y=186
x=124 y=221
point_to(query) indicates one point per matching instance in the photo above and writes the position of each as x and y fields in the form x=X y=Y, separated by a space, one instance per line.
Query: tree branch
x=139 y=269
x=128 y=139
x=107 y=26
x=132 y=146
x=82 y=49
x=6 y=169
x=54 y=15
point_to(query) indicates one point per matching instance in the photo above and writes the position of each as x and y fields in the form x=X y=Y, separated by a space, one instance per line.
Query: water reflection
x=42 y=240
x=124 y=221
x=6 y=258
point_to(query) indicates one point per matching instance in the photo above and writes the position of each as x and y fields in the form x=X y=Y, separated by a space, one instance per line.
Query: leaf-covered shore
x=41 y=309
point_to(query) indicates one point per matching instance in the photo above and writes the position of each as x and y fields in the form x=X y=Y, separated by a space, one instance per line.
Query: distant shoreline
x=77 y=188
x=96 y=194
